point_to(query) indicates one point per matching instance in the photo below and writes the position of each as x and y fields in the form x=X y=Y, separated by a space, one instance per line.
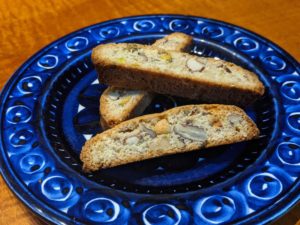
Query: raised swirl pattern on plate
x=289 y=153
x=30 y=84
x=216 y=209
x=57 y=188
x=77 y=43
x=291 y=90
x=246 y=44
x=179 y=25
x=32 y=163
x=161 y=214
x=294 y=121
x=144 y=25
x=264 y=186
x=274 y=62
x=102 y=210
x=18 y=114
x=212 y=31
x=48 y=62
x=21 y=137
x=109 y=32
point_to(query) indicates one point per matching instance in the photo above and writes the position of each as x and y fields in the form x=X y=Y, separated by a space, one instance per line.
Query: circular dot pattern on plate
x=57 y=188
x=217 y=209
x=291 y=90
x=30 y=84
x=212 y=31
x=31 y=163
x=265 y=186
x=63 y=190
x=21 y=137
x=289 y=153
x=179 y=25
x=245 y=44
x=18 y=114
x=273 y=62
x=102 y=210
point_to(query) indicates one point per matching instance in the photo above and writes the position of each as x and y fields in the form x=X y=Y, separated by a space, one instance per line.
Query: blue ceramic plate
x=49 y=108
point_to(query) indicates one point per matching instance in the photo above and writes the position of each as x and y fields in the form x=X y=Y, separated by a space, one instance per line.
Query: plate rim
x=54 y=216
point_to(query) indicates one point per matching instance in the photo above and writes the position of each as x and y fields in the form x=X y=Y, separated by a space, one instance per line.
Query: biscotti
x=135 y=66
x=177 y=130
x=117 y=104
x=174 y=42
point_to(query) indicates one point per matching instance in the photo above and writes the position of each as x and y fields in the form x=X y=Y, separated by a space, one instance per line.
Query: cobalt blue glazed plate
x=49 y=108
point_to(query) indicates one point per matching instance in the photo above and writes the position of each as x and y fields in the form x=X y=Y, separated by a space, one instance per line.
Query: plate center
x=76 y=93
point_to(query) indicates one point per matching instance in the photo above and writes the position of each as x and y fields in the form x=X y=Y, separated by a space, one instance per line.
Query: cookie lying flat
x=118 y=105
x=135 y=66
x=177 y=130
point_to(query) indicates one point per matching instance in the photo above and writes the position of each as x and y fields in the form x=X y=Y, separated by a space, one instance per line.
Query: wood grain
x=26 y=26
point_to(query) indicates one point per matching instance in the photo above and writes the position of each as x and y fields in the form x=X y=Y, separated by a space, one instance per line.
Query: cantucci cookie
x=177 y=130
x=174 y=42
x=135 y=66
x=117 y=104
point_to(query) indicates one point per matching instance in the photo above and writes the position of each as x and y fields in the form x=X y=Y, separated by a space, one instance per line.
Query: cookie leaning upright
x=135 y=66
x=119 y=104
x=174 y=42
x=177 y=130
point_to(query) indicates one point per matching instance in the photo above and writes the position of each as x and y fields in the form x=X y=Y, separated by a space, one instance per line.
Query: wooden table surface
x=26 y=26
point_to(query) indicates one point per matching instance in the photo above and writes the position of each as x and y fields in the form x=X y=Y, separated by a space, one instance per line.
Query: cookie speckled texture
x=177 y=130
x=136 y=66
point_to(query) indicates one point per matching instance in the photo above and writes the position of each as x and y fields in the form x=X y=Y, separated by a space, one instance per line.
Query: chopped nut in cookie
x=190 y=132
x=121 y=60
x=123 y=101
x=132 y=48
x=235 y=119
x=142 y=56
x=133 y=140
x=166 y=57
x=194 y=65
x=148 y=131
x=161 y=142
x=162 y=127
